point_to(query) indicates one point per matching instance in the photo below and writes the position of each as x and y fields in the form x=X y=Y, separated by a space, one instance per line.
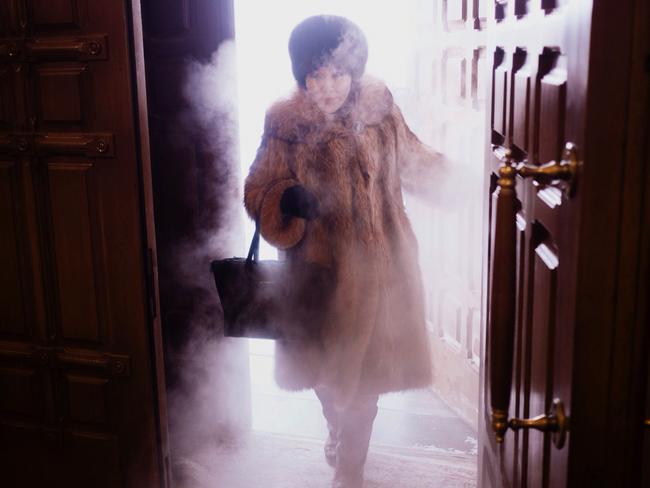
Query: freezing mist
x=209 y=399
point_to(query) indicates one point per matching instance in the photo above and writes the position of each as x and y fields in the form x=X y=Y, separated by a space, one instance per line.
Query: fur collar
x=298 y=119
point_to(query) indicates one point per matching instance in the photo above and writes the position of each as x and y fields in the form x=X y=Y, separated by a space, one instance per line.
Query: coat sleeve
x=269 y=176
x=424 y=172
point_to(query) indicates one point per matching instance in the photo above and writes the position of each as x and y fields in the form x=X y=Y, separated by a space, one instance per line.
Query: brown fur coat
x=355 y=164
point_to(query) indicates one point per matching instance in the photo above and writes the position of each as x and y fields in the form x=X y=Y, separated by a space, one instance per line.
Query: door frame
x=141 y=124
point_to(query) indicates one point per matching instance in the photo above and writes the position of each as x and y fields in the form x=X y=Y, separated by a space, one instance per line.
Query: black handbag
x=283 y=300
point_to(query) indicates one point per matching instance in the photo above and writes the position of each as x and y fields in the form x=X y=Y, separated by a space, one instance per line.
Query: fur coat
x=356 y=164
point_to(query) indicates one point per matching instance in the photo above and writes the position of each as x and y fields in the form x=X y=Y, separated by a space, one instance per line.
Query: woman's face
x=328 y=87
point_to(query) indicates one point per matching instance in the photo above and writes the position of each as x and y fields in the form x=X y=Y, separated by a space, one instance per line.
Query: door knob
x=555 y=422
x=646 y=424
x=565 y=170
x=546 y=174
x=502 y=300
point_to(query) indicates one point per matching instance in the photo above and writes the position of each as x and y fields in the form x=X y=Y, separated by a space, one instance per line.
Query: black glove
x=299 y=202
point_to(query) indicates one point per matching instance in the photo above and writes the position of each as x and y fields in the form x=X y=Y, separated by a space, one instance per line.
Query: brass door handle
x=556 y=422
x=501 y=322
x=646 y=424
x=551 y=173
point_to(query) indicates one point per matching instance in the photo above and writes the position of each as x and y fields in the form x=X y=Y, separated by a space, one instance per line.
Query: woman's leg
x=355 y=429
x=332 y=418
x=346 y=447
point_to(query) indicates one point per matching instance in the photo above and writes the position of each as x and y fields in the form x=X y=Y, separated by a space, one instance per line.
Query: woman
x=326 y=186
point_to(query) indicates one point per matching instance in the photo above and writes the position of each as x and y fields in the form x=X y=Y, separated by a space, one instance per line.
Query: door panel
x=8 y=98
x=545 y=262
x=14 y=306
x=60 y=92
x=521 y=110
x=78 y=250
x=528 y=117
x=58 y=15
x=551 y=93
x=499 y=94
x=76 y=369
x=27 y=387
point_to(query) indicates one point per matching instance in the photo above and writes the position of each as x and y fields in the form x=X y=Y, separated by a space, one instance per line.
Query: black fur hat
x=327 y=39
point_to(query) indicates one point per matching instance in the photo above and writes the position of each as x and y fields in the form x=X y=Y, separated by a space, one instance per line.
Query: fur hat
x=326 y=39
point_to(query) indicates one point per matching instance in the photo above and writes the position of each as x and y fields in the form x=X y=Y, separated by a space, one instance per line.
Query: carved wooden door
x=78 y=388
x=536 y=127
x=448 y=112
x=566 y=180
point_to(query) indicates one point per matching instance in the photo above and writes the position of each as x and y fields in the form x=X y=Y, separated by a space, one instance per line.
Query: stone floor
x=410 y=420
x=417 y=442
x=279 y=461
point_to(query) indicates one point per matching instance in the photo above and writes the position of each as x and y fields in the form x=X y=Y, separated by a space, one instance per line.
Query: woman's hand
x=297 y=201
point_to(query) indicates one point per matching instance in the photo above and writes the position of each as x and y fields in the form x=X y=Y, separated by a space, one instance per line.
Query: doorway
x=441 y=92
x=434 y=67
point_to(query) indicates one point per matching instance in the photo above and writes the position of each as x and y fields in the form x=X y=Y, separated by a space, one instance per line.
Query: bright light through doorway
x=264 y=75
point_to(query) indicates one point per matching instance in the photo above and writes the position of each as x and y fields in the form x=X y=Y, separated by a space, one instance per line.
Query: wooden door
x=447 y=111
x=79 y=384
x=531 y=237
x=555 y=237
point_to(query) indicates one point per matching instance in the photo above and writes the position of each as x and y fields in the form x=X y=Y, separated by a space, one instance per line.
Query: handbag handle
x=254 y=250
